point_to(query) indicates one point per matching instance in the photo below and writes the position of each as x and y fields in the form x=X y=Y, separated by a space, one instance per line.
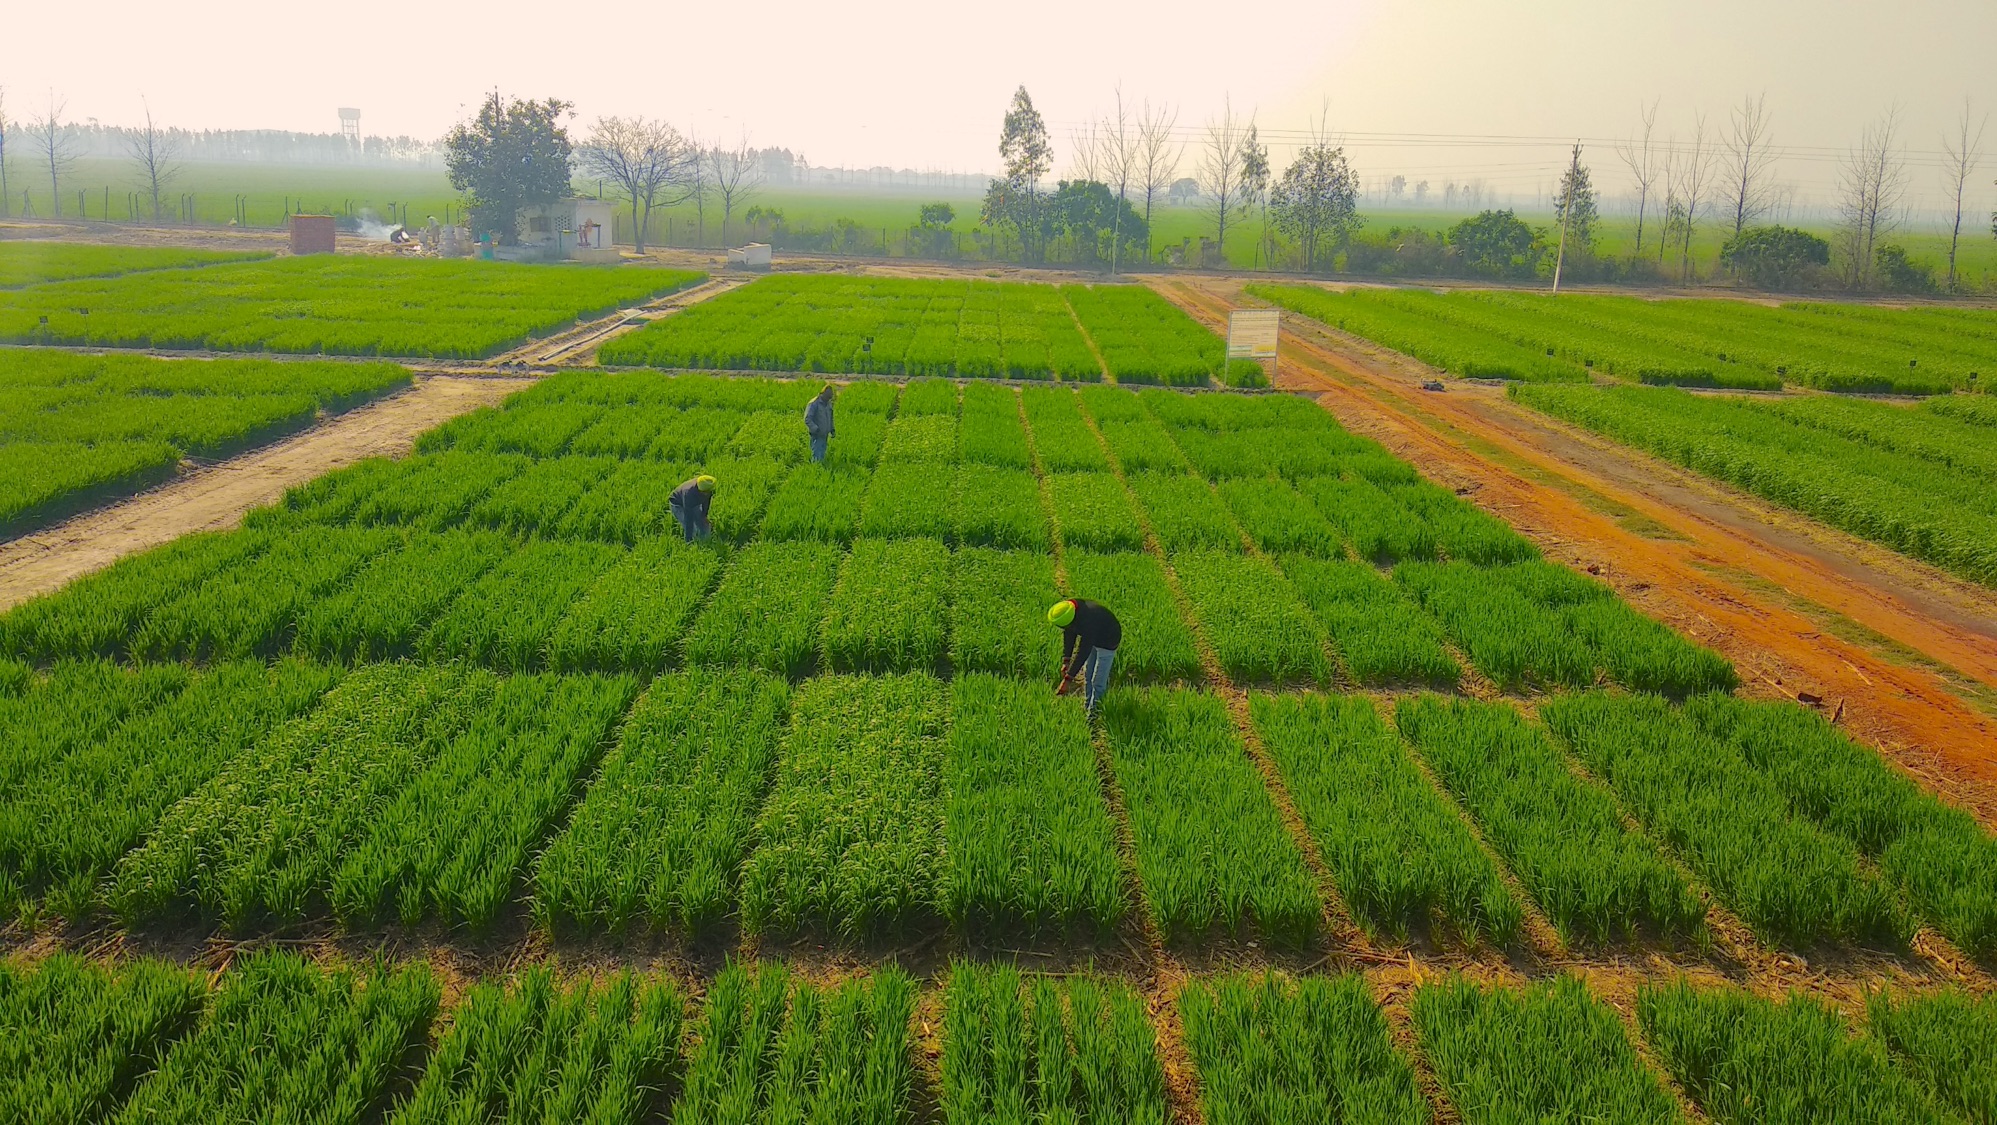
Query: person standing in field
x=690 y=503
x=818 y=422
x=1089 y=636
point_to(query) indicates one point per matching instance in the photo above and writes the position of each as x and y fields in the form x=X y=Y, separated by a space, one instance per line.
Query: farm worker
x=690 y=501
x=1089 y=636
x=818 y=421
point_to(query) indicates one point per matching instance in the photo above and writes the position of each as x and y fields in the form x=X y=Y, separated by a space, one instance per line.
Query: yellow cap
x=1061 y=612
x=704 y=483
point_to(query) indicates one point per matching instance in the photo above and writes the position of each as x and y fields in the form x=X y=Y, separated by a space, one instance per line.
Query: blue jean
x=818 y=443
x=693 y=529
x=1095 y=676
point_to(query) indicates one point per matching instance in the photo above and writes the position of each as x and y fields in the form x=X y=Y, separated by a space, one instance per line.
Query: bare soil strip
x=1831 y=625
x=216 y=497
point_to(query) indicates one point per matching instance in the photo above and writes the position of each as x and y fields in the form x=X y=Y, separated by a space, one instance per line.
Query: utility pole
x=1566 y=213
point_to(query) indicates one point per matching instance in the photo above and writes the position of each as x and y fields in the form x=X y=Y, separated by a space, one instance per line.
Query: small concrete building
x=569 y=229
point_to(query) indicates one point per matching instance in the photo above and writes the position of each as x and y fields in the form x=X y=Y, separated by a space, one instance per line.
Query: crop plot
x=1378 y=527
x=661 y=835
x=816 y=502
x=1796 y=884
x=889 y=610
x=1561 y=836
x=1260 y=632
x=773 y=1048
x=340 y=305
x=635 y=615
x=452 y=843
x=1143 y=338
x=1000 y=508
x=1400 y=855
x=851 y=838
x=889 y=326
x=248 y=608
x=32 y=261
x=1736 y=1053
x=539 y=1052
x=766 y=612
x=79 y=429
x=1278 y=518
x=920 y=438
x=74 y=1036
x=1029 y=842
x=1380 y=635
x=391 y=600
x=1157 y=645
x=540 y=496
x=1287 y=1053
x=1550 y=1053
x=282 y=1034
x=62 y=835
x=1212 y=852
x=1185 y=512
x=1893 y=490
x=97 y=614
x=506 y=618
x=998 y=609
x=903 y=500
x=1944 y=1039
x=1094 y=512
x=1036 y=1050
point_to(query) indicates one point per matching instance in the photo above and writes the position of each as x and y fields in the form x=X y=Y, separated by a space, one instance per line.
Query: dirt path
x=1906 y=656
x=216 y=497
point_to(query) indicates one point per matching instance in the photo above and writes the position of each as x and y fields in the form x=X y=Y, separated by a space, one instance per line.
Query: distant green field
x=29 y=261
x=268 y=192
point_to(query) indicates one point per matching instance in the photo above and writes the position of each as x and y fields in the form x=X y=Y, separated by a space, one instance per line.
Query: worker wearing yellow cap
x=690 y=503
x=1089 y=636
x=818 y=421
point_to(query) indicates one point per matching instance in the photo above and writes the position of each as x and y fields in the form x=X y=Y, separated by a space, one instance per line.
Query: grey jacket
x=818 y=417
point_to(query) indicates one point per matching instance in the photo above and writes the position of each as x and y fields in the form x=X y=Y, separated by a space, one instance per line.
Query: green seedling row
x=1035 y=1049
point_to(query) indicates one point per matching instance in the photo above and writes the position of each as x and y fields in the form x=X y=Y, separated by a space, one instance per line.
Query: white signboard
x=1251 y=333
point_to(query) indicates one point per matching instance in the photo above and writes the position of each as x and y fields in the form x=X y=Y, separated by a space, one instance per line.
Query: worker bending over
x=1089 y=636
x=818 y=422
x=690 y=504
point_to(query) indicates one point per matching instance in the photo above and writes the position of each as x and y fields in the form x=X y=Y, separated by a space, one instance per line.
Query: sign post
x=1252 y=334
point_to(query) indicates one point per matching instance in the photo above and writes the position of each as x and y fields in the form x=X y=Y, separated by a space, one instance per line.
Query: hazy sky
x=924 y=84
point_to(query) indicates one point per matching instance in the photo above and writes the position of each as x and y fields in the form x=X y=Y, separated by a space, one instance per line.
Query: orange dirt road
x=216 y=497
x=1905 y=655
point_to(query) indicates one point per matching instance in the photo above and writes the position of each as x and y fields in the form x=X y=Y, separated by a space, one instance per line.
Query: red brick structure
x=312 y=234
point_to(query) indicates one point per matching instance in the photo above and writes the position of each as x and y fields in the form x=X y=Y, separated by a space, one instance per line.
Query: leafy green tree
x=1774 y=257
x=1088 y=213
x=1496 y=244
x=1896 y=273
x=1015 y=200
x=934 y=215
x=1316 y=204
x=510 y=156
x=1255 y=185
x=1575 y=206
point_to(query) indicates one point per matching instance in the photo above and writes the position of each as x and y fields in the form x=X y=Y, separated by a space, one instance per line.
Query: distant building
x=568 y=229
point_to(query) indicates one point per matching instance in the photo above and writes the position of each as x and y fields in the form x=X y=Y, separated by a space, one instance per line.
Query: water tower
x=350 y=125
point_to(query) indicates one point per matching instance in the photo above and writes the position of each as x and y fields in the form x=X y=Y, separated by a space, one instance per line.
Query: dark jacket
x=690 y=503
x=818 y=417
x=1094 y=627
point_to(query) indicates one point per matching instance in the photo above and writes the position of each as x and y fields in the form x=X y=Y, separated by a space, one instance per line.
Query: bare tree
x=699 y=185
x=1749 y=153
x=1219 y=172
x=1119 y=152
x=1694 y=172
x=1640 y=156
x=1960 y=155
x=1157 y=159
x=56 y=147
x=647 y=160
x=157 y=154
x=1255 y=186
x=1871 y=184
x=737 y=175
x=1087 y=145
x=4 y=197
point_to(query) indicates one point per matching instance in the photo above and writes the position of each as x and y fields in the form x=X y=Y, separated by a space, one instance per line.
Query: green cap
x=704 y=483
x=1061 y=612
